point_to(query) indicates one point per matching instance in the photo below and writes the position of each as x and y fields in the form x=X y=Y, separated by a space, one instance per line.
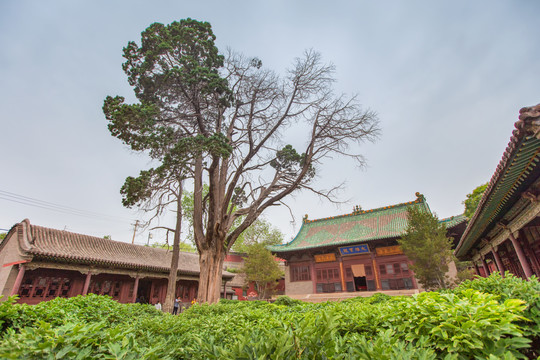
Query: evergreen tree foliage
x=218 y=120
x=261 y=268
x=426 y=245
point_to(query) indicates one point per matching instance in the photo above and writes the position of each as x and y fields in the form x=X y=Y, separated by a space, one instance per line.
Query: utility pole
x=134 y=231
x=149 y=237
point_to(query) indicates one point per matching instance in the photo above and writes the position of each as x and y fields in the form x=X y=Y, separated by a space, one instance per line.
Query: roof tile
x=360 y=226
x=73 y=247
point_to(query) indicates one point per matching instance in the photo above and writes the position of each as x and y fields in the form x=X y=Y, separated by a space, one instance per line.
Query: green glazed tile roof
x=516 y=172
x=453 y=220
x=359 y=226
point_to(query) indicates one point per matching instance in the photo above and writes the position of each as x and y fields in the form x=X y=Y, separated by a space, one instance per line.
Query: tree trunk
x=171 y=283
x=211 y=264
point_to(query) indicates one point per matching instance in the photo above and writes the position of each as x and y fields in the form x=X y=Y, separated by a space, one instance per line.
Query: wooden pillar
x=313 y=276
x=87 y=283
x=164 y=292
x=529 y=253
x=498 y=261
x=376 y=273
x=124 y=292
x=342 y=273
x=225 y=289
x=135 y=289
x=521 y=256
x=192 y=288
x=484 y=265
x=152 y=286
x=18 y=280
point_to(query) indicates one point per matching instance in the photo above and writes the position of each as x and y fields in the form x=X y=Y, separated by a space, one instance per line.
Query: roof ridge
x=450 y=217
x=526 y=125
x=419 y=199
x=81 y=236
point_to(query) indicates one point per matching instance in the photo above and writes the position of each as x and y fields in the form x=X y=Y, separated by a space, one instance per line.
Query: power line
x=25 y=200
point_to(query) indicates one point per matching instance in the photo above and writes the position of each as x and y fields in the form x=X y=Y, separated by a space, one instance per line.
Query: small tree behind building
x=262 y=269
x=426 y=245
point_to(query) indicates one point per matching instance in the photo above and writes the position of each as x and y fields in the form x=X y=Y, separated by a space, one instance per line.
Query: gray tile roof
x=65 y=246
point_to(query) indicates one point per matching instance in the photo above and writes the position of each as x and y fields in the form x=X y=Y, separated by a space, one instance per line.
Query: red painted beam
x=16 y=262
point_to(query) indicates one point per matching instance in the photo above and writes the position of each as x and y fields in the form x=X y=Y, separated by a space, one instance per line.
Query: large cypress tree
x=218 y=121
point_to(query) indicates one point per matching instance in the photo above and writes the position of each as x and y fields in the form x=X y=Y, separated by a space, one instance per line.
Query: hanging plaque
x=353 y=250
x=389 y=250
x=325 y=257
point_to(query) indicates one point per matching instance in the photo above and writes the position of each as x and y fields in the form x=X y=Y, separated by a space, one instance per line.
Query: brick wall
x=296 y=287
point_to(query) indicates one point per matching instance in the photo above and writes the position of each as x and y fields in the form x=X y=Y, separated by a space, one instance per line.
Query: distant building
x=355 y=252
x=39 y=264
x=238 y=287
x=504 y=232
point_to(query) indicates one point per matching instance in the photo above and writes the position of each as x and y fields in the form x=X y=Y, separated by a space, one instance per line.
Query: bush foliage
x=492 y=318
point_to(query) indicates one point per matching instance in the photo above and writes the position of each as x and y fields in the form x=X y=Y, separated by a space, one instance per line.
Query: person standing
x=158 y=305
x=176 y=305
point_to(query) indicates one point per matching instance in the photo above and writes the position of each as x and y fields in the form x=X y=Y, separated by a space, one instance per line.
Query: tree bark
x=171 y=283
x=211 y=265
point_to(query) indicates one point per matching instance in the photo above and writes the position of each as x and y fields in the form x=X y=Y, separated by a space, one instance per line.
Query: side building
x=238 y=288
x=504 y=232
x=354 y=252
x=39 y=264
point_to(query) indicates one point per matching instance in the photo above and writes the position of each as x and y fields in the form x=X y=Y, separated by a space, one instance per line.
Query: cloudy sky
x=447 y=80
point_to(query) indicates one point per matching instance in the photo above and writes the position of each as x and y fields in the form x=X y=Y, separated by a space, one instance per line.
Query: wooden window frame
x=300 y=273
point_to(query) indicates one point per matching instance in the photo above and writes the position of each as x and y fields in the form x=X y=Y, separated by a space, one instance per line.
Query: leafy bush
x=287 y=301
x=513 y=287
x=472 y=324
x=480 y=319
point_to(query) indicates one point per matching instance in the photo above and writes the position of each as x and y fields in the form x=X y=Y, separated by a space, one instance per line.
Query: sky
x=447 y=80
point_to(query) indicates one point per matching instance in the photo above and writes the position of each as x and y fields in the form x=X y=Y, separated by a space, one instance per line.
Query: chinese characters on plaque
x=353 y=250
x=325 y=257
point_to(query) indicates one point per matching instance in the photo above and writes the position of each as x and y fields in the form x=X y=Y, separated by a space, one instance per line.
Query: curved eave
x=289 y=246
x=340 y=243
x=116 y=264
x=110 y=263
x=516 y=171
x=453 y=221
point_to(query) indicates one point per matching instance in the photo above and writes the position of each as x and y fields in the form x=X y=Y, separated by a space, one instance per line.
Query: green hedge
x=492 y=318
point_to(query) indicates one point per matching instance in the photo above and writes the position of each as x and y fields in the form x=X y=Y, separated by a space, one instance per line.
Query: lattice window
x=404 y=268
x=40 y=287
x=116 y=290
x=131 y=289
x=368 y=270
x=106 y=288
x=95 y=287
x=300 y=273
x=65 y=287
x=54 y=285
x=327 y=274
x=26 y=287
